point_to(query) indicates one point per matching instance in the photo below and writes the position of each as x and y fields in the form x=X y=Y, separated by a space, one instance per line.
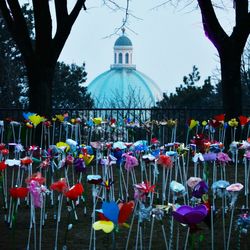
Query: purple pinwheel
x=200 y=189
x=190 y=215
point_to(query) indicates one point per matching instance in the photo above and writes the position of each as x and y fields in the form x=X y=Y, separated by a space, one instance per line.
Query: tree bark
x=230 y=61
x=40 y=88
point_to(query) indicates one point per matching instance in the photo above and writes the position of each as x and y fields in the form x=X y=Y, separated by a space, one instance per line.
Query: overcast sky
x=167 y=43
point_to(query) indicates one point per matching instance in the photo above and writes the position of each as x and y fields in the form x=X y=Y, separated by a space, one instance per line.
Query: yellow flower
x=204 y=123
x=88 y=158
x=193 y=123
x=60 y=118
x=97 y=120
x=63 y=146
x=36 y=119
x=233 y=122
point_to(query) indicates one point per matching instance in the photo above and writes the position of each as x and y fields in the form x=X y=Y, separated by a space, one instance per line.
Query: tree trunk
x=231 y=82
x=40 y=79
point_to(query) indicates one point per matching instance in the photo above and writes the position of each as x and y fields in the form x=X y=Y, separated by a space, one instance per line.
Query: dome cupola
x=123 y=52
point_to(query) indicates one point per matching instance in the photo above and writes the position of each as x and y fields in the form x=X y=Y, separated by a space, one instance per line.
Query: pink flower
x=247 y=155
x=131 y=162
x=223 y=158
x=193 y=181
x=236 y=187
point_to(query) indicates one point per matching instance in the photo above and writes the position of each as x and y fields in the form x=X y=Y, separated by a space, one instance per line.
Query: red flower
x=2 y=146
x=74 y=192
x=5 y=151
x=36 y=177
x=26 y=160
x=220 y=118
x=243 y=120
x=154 y=140
x=19 y=192
x=165 y=161
x=2 y=165
x=60 y=186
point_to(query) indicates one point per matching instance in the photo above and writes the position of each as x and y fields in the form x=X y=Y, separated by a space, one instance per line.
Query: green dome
x=124 y=87
x=123 y=41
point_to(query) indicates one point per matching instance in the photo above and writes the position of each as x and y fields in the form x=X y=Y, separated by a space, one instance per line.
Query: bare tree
x=41 y=53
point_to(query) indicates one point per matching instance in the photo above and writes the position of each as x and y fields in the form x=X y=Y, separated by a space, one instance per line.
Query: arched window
x=126 y=58
x=120 y=57
x=115 y=58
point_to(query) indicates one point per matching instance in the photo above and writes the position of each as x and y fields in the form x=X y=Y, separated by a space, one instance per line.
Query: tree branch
x=211 y=25
x=43 y=27
x=61 y=12
x=63 y=32
x=6 y=15
x=19 y=30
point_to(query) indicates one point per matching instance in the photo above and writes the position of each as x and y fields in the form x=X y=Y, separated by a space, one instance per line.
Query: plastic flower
x=243 y=120
x=220 y=117
x=60 y=118
x=177 y=188
x=233 y=123
x=63 y=146
x=200 y=189
x=111 y=215
x=19 y=192
x=3 y=165
x=165 y=161
x=97 y=120
x=209 y=157
x=60 y=186
x=193 y=181
x=223 y=158
x=79 y=165
x=36 y=119
x=94 y=179
x=74 y=192
x=143 y=189
x=190 y=215
x=131 y=162
x=26 y=160
x=193 y=123
x=36 y=177
x=234 y=190
x=107 y=184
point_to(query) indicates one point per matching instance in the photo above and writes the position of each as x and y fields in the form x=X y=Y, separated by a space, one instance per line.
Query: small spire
x=123 y=31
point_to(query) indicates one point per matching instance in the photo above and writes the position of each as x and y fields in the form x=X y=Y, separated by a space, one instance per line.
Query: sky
x=167 y=41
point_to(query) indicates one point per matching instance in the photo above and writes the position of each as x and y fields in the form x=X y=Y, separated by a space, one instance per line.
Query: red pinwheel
x=19 y=192
x=74 y=192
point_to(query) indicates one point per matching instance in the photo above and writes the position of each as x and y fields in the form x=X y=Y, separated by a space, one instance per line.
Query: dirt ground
x=79 y=236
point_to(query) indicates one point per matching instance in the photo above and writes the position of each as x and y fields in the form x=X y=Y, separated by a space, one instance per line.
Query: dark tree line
x=192 y=94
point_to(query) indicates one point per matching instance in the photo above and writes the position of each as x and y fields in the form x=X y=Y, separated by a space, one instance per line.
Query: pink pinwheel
x=190 y=215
